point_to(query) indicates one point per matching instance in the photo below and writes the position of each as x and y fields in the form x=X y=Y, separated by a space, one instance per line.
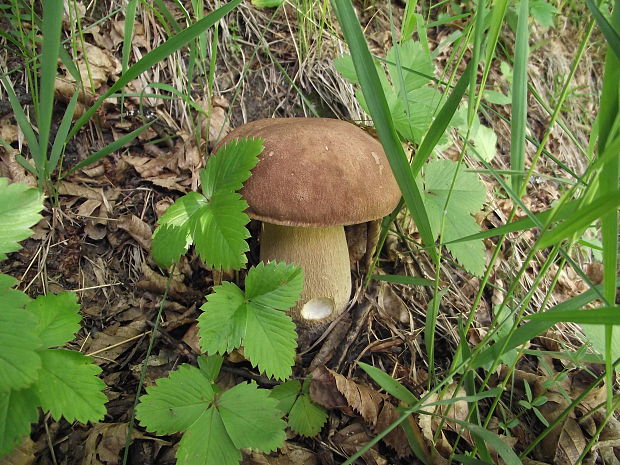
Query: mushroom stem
x=324 y=257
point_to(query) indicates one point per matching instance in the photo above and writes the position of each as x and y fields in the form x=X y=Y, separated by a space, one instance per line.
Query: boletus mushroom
x=315 y=176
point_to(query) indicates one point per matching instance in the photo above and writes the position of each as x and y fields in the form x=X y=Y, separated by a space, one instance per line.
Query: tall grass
x=594 y=197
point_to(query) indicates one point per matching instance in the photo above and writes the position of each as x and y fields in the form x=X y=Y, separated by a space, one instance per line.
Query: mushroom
x=315 y=176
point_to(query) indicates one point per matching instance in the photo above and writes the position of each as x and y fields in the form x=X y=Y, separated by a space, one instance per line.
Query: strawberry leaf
x=304 y=416
x=216 y=425
x=230 y=166
x=18 y=409
x=57 y=316
x=468 y=195
x=19 y=211
x=255 y=319
x=19 y=360
x=251 y=417
x=176 y=402
x=68 y=386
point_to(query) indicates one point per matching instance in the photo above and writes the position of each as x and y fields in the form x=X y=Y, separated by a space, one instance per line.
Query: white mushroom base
x=324 y=257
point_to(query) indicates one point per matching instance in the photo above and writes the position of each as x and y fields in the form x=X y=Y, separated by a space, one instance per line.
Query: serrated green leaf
x=543 y=12
x=221 y=326
x=306 y=418
x=413 y=59
x=11 y=297
x=19 y=360
x=485 y=142
x=176 y=402
x=169 y=243
x=68 y=386
x=275 y=285
x=232 y=318
x=269 y=341
x=19 y=211
x=206 y=442
x=227 y=169
x=286 y=393
x=184 y=208
x=251 y=417
x=468 y=194
x=18 y=409
x=219 y=233
x=57 y=316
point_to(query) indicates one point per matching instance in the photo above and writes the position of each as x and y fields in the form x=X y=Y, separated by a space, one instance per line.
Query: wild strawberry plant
x=217 y=424
x=36 y=371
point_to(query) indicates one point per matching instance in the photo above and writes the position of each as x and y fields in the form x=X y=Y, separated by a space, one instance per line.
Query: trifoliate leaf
x=216 y=425
x=176 y=402
x=306 y=418
x=68 y=386
x=286 y=393
x=255 y=320
x=227 y=169
x=276 y=285
x=18 y=409
x=19 y=360
x=57 y=316
x=468 y=194
x=11 y=297
x=251 y=417
x=19 y=211
x=207 y=442
x=269 y=341
x=219 y=231
x=416 y=67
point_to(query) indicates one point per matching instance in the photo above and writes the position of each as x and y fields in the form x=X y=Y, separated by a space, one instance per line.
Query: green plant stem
x=149 y=349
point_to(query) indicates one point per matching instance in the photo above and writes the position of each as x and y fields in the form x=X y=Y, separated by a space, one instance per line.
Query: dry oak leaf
x=331 y=389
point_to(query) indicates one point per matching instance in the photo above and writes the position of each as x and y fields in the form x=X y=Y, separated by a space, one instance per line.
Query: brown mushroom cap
x=317 y=172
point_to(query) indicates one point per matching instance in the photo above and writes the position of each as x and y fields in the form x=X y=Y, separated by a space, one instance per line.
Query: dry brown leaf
x=109 y=343
x=137 y=229
x=391 y=304
x=23 y=454
x=105 y=442
x=288 y=454
x=374 y=407
x=156 y=283
x=352 y=438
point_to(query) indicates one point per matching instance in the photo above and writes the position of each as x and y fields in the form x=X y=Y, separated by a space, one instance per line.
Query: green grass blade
x=108 y=149
x=519 y=97
x=61 y=134
x=530 y=330
x=598 y=316
x=388 y=383
x=51 y=29
x=379 y=111
x=608 y=183
x=24 y=125
x=401 y=279
x=611 y=34
x=156 y=55
x=441 y=122
x=130 y=19
x=581 y=219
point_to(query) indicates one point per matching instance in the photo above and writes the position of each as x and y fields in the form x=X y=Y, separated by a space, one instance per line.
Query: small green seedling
x=304 y=416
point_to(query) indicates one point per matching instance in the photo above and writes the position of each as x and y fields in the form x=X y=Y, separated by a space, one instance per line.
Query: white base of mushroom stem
x=324 y=257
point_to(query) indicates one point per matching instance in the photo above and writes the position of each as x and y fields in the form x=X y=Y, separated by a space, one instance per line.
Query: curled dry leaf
x=391 y=304
x=333 y=390
x=457 y=410
x=288 y=454
x=105 y=442
x=137 y=229
x=352 y=438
